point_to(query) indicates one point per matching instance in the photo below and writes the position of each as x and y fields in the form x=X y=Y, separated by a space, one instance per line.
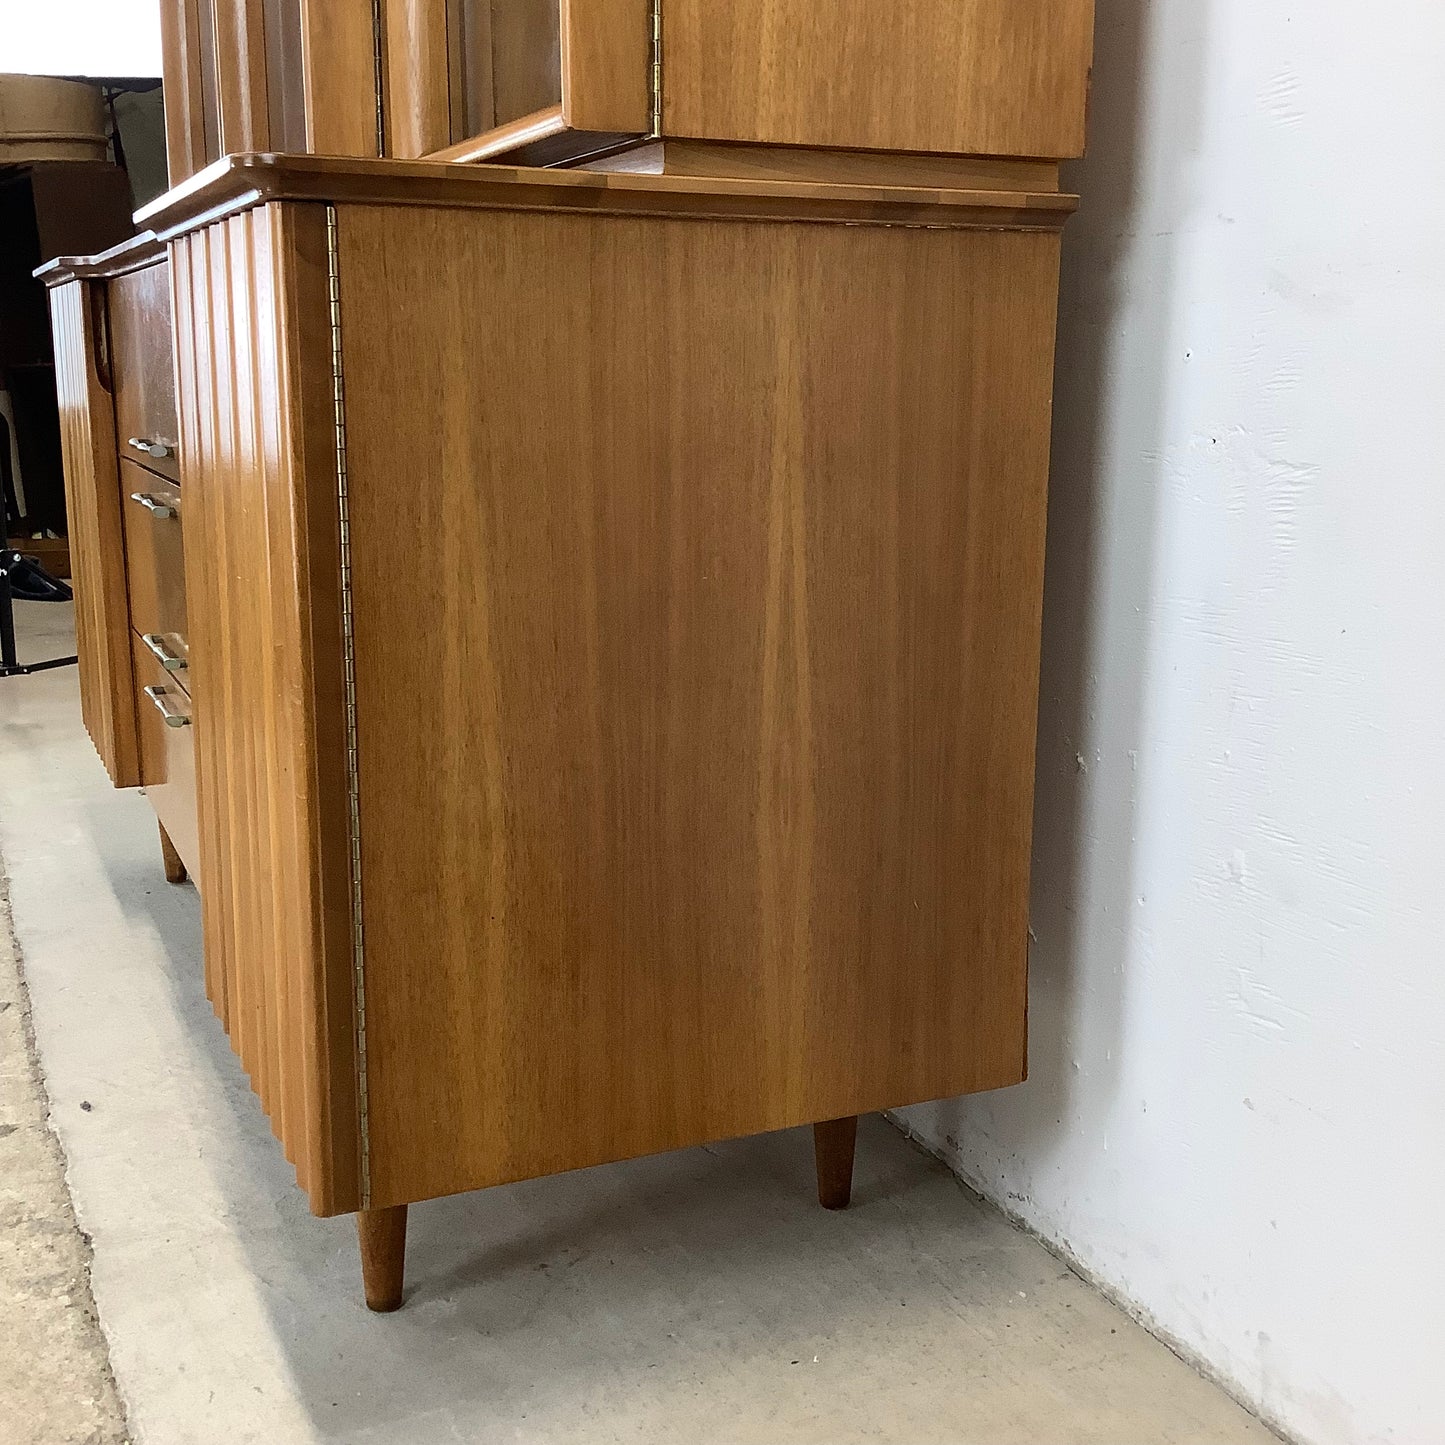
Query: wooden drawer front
x=143 y=369
x=156 y=561
x=167 y=753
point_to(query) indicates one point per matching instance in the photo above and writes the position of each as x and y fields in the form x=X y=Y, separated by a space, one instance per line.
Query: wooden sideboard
x=596 y=693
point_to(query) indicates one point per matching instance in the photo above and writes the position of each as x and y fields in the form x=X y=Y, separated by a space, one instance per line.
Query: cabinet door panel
x=968 y=77
x=702 y=760
x=606 y=70
x=97 y=547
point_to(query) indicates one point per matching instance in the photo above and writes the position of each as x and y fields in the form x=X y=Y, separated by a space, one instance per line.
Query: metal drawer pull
x=151 y=448
x=171 y=661
x=173 y=719
x=159 y=506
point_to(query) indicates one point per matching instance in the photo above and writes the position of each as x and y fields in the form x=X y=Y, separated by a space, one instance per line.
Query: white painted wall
x=1236 y=1116
x=81 y=37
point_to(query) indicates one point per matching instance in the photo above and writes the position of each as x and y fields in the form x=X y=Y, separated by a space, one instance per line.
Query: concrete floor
x=700 y=1296
x=55 y=1380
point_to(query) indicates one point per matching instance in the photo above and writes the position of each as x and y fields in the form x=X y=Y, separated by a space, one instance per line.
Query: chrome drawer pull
x=151 y=448
x=158 y=506
x=171 y=661
x=173 y=719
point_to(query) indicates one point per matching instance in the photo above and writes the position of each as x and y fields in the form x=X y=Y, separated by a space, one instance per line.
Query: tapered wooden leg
x=382 y=1233
x=833 y=1144
x=175 y=869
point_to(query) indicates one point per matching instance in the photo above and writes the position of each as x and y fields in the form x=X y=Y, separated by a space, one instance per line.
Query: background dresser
x=596 y=693
x=111 y=318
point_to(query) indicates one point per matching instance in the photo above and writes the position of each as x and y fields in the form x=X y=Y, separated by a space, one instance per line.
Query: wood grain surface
x=834 y=1143
x=142 y=365
x=239 y=36
x=418 y=93
x=168 y=755
x=132 y=254
x=239 y=183
x=526 y=130
x=696 y=672
x=987 y=78
x=606 y=65
x=155 y=554
x=465 y=80
x=172 y=864
x=186 y=101
x=973 y=77
x=339 y=70
x=381 y=1233
x=257 y=418
x=526 y=57
x=857 y=168
x=97 y=540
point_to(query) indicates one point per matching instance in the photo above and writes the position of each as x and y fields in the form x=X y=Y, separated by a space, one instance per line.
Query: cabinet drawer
x=167 y=753
x=143 y=369
x=155 y=561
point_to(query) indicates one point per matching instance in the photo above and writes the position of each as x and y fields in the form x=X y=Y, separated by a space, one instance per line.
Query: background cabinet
x=115 y=375
x=97 y=537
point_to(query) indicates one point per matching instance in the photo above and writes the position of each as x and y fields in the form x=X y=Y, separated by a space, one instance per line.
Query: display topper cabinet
x=588 y=615
x=553 y=81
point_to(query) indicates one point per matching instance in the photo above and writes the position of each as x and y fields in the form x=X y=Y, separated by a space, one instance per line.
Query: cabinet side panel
x=970 y=77
x=97 y=541
x=262 y=583
x=696 y=665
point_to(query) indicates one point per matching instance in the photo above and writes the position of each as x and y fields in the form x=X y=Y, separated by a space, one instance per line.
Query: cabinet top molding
x=133 y=254
x=237 y=183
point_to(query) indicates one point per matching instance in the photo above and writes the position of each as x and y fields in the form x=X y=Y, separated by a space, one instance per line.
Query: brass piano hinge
x=348 y=649
x=656 y=67
x=378 y=65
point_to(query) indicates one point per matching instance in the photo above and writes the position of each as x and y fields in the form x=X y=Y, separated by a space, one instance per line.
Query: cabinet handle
x=173 y=719
x=150 y=448
x=158 y=506
x=171 y=661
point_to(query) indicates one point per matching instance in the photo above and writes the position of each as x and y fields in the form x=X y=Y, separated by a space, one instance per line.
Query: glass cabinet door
x=537 y=80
